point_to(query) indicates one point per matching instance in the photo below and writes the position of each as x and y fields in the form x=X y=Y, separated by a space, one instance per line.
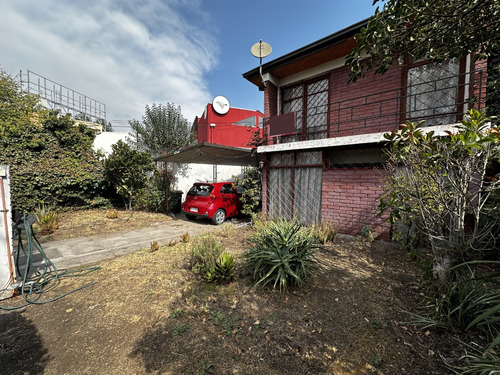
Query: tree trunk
x=441 y=267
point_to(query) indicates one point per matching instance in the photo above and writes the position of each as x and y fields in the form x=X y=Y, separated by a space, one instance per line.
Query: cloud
x=126 y=54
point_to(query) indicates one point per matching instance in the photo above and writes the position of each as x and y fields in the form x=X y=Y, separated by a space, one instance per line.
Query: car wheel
x=190 y=217
x=219 y=217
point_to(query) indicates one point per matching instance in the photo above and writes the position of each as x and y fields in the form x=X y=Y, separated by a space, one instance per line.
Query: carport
x=213 y=154
x=210 y=153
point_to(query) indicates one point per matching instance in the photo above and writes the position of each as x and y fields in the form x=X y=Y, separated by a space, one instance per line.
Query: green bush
x=282 y=255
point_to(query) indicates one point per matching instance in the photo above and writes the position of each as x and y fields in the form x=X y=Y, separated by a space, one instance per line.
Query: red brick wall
x=369 y=114
x=350 y=197
x=270 y=100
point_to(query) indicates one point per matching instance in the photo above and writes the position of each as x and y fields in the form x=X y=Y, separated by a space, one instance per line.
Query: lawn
x=148 y=313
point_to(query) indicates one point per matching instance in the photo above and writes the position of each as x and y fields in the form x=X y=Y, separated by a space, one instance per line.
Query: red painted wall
x=225 y=132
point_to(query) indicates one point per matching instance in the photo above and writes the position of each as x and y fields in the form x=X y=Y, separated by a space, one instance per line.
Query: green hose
x=43 y=278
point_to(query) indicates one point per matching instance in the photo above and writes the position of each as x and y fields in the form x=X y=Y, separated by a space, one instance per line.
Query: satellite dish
x=261 y=49
x=220 y=104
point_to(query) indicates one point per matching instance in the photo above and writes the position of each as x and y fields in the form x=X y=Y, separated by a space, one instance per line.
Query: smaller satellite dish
x=261 y=49
x=220 y=104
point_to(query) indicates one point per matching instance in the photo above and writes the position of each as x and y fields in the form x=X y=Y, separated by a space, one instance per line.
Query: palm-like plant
x=283 y=254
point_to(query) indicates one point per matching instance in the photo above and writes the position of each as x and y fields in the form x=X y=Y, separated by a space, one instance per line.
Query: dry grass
x=148 y=313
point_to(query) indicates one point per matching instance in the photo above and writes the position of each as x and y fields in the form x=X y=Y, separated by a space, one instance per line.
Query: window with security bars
x=309 y=101
x=433 y=93
x=294 y=186
x=356 y=158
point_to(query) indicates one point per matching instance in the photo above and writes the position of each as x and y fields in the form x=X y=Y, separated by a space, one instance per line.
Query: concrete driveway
x=81 y=251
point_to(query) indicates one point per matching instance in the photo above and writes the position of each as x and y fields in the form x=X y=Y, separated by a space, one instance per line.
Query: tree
x=126 y=169
x=442 y=185
x=162 y=127
x=436 y=30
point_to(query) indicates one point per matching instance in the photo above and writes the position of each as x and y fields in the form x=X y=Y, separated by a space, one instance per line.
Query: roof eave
x=307 y=50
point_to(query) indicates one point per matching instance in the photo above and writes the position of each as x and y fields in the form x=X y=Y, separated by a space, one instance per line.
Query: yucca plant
x=282 y=255
x=223 y=269
x=46 y=219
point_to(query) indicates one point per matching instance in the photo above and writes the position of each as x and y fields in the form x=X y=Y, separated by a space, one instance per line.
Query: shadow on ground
x=21 y=347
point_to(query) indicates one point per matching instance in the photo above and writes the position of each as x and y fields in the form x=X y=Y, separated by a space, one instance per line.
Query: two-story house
x=322 y=155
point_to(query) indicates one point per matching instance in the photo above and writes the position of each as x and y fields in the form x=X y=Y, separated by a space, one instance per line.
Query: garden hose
x=44 y=277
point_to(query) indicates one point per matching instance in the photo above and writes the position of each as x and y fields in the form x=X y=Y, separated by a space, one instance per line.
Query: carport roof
x=210 y=153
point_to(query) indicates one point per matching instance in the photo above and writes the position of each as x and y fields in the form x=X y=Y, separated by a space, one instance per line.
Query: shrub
x=210 y=262
x=282 y=254
x=46 y=219
x=223 y=269
x=111 y=213
x=206 y=251
x=324 y=232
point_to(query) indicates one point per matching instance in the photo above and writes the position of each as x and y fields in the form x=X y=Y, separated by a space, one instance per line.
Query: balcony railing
x=438 y=102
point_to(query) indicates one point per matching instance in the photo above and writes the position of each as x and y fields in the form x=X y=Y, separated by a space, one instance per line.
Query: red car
x=214 y=200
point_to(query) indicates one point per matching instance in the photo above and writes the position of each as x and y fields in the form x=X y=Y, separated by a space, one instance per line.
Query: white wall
x=103 y=141
x=203 y=173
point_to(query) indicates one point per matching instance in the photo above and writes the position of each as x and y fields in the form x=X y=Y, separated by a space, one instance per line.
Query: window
x=309 y=101
x=356 y=158
x=433 y=93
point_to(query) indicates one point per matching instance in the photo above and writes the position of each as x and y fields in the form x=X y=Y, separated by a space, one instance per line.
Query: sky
x=131 y=53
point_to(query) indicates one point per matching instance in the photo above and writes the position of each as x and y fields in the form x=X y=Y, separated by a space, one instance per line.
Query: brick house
x=322 y=155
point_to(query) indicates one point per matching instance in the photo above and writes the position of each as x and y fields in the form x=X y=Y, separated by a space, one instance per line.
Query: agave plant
x=282 y=255
x=223 y=269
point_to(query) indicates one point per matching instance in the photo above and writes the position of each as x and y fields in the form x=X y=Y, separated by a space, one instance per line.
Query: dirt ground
x=148 y=313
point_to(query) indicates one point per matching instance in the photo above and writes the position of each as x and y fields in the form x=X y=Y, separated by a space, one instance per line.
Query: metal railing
x=58 y=97
x=438 y=102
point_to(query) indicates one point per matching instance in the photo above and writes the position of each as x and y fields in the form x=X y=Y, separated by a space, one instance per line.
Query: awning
x=209 y=153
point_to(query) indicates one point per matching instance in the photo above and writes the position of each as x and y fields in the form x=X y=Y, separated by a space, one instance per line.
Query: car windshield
x=200 y=190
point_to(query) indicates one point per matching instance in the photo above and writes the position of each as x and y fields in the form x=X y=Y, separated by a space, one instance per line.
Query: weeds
x=368 y=234
x=154 y=246
x=227 y=229
x=179 y=329
x=226 y=323
x=206 y=368
x=176 y=313
x=185 y=238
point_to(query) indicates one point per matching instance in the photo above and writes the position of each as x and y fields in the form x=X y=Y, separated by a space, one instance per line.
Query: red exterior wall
x=363 y=115
x=350 y=197
x=225 y=132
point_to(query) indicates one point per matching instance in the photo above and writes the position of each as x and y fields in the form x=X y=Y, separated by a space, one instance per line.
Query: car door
x=229 y=199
